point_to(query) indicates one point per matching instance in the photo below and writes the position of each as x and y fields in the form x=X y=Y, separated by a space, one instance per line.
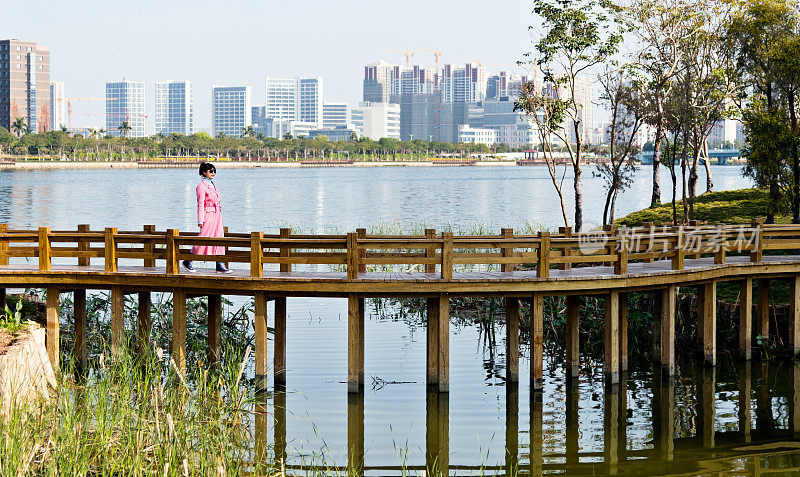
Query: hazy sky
x=241 y=42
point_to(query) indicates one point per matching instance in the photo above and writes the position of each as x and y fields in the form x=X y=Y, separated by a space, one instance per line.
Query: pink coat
x=207 y=201
x=209 y=213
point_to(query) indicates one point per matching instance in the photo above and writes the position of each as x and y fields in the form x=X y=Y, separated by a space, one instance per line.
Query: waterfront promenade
x=434 y=266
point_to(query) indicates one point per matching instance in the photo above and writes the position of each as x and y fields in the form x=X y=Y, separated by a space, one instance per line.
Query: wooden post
x=758 y=247
x=352 y=256
x=355 y=433
x=53 y=328
x=512 y=340
x=117 y=320
x=746 y=318
x=279 y=418
x=706 y=411
x=650 y=230
x=285 y=251
x=179 y=329
x=172 y=251
x=507 y=252
x=353 y=343
x=362 y=251
x=667 y=330
x=79 y=311
x=709 y=321
x=536 y=434
x=571 y=422
x=720 y=254
x=611 y=428
x=430 y=251
x=260 y=328
x=44 y=249
x=361 y=333
x=794 y=315
x=256 y=255
x=3 y=245
x=447 y=255
x=443 y=360
x=110 y=253
x=623 y=331
x=280 y=341
x=543 y=253
x=573 y=357
x=763 y=307
x=83 y=245
x=794 y=399
x=567 y=233
x=214 y=330
x=149 y=246
x=144 y=323
x=537 y=341
x=432 y=372
x=512 y=428
x=611 y=367
x=621 y=264
x=677 y=259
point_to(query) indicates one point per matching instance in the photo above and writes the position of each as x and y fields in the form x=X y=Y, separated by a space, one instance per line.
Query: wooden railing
x=356 y=252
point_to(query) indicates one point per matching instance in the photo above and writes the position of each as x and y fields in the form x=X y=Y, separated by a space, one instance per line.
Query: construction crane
x=69 y=105
x=406 y=52
x=436 y=54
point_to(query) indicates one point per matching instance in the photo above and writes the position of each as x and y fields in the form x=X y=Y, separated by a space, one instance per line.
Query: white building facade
x=174 y=107
x=309 y=100
x=470 y=135
x=58 y=106
x=231 y=110
x=125 y=101
x=281 y=98
x=377 y=120
x=335 y=115
x=463 y=84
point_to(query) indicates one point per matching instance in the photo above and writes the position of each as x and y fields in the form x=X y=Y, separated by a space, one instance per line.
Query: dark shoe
x=221 y=268
x=187 y=264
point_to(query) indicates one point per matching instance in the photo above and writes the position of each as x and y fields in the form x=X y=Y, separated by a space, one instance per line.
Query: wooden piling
x=512 y=340
x=794 y=315
x=709 y=323
x=667 y=330
x=794 y=399
x=623 y=331
x=144 y=322
x=573 y=358
x=537 y=342
x=611 y=429
x=706 y=400
x=355 y=433
x=79 y=350
x=658 y=305
x=279 y=417
x=53 y=328
x=762 y=305
x=536 y=435
x=746 y=318
x=745 y=389
x=214 y=352
x=362 y=314
x=280 y=341
x=443 y=360
x=432 y=371
x=611 y=366
x=353 y=343
x=512 y=428
x=179 y=329
x=261 y=336
x=117 y=320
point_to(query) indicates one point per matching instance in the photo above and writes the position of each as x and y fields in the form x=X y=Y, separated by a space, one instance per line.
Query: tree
x=248 y=131
x=577 y=36
x=124 y=128
x=19 y=127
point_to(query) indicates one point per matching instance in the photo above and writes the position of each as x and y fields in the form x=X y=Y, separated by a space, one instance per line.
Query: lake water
x=577 y=430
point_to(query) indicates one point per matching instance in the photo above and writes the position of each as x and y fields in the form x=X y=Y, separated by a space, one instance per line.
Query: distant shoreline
x=48 y=165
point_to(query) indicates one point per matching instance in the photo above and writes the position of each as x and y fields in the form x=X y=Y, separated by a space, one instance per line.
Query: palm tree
x=248 y=131
x=125 y=128
x=19 y=127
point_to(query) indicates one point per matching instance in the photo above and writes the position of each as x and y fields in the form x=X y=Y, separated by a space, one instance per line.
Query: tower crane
x=405 y=52
x=69 y=105
x=436 y=54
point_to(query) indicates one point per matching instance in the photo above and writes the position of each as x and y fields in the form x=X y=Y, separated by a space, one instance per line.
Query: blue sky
x=241 y=42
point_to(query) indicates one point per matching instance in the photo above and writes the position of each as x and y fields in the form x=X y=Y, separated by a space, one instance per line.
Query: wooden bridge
x=434 y=266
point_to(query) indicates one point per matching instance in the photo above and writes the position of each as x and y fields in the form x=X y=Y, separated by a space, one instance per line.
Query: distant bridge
x=722 y=156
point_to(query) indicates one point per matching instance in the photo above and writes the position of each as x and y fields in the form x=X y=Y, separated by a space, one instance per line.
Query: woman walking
x=209 y=216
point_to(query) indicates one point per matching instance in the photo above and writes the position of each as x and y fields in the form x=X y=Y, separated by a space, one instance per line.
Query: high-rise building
x=420 y=117
x=281 y=98
x=309 y=100
x=174 y=107
x=231 y=110
x=58 y=106
x=379 y=82
x=24 y=84
x=335 y=115
x=584 y=99
x=463 y=84
x=377 y=120
x=504 y=84
x=125 y=101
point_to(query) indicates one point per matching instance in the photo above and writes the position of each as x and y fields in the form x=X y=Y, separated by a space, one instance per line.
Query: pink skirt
x=212 y=227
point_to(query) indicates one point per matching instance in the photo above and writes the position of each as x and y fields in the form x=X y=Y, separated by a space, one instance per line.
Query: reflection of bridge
x=759 y=436
x=721 y=155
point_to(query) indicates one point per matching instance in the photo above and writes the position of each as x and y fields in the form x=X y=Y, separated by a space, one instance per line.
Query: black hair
x=206 y=166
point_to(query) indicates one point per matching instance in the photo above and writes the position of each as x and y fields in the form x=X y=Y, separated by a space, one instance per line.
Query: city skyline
x=206 y=43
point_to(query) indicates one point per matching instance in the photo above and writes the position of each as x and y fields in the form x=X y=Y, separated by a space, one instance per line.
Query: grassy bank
x=730 y=206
